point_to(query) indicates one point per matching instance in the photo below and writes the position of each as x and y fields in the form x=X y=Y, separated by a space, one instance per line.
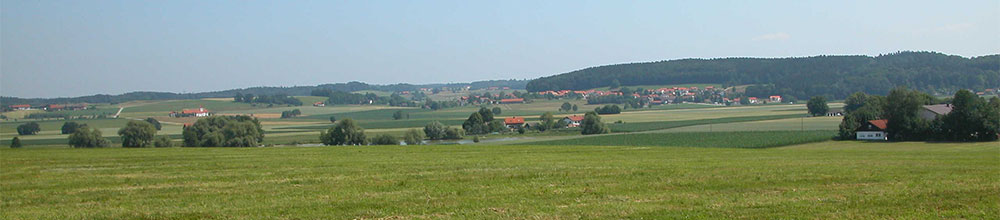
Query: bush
x=29 y=128
x=85 y=137
x=435 y=130
x=817 y=106
x=224 y=131
x=413 y=137
x=497 y=111
x=384 y=139
x=137 y=134
x=155 y=123
x=453 y=133
x=162 y=141
x=69 y=127
x=608 y=109
x=592 y=125
x=345 y=132
x=475 y=139
x=15 y=143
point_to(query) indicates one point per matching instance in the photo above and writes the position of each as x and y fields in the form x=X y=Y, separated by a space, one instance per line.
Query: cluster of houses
x=517 y=122
x=198 y=112
x=496 y=99
x=876 y=129
x=708 y=94
x=50 y=107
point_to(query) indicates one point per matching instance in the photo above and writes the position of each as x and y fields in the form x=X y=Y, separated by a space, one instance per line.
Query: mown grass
x=738 y=139
x=828 y=180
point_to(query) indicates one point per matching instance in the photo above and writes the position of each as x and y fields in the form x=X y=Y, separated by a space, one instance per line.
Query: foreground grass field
x=827 y=180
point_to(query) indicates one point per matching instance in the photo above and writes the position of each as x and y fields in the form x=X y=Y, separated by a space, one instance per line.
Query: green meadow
x=826 y=180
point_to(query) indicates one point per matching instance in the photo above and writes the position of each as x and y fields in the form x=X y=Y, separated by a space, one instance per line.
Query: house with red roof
x=774 y=98
x=753 y=100
x=513 y=122
x=512 y=101
x=873 y=130
x=21 y=107
x=319 y=104
x=573 y=121
x=199 y=112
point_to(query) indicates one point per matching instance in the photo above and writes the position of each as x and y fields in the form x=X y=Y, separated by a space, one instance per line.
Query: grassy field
x=827 y=180
x=738 y=139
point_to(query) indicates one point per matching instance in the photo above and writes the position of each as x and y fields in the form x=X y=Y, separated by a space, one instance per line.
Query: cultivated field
x=826 y=180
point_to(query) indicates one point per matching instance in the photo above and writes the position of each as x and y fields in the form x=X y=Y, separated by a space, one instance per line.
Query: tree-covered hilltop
x=832 y=76
x=293 y=91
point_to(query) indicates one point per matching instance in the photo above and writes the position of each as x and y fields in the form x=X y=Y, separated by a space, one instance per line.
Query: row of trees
x=972 y=118
x=224 y=131
x=277 y=99
x=291 y=113
x=483 y=122
x=348 y=132
x=608 y=109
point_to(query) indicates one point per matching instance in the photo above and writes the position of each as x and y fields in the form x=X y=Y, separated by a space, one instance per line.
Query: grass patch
x=739 y=139
x=828 y=180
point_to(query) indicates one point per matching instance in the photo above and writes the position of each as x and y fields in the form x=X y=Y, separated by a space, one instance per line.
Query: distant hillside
x=832 y=76
x=293 y=91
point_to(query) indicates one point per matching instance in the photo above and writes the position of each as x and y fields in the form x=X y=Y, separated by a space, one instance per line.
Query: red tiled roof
x=575 y=118
x=194 y=111
x=21 y=106
x=513 y=120
x=879 y=123
x=511 y=100
x=775 y=96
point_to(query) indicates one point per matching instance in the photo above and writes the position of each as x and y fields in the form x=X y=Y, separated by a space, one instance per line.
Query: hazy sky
x=75 y=48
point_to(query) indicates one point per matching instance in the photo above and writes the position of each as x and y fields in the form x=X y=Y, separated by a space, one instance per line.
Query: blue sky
x=75 y=48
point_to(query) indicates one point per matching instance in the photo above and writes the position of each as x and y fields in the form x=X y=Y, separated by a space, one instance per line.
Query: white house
x=573 y=121
x=873 y=130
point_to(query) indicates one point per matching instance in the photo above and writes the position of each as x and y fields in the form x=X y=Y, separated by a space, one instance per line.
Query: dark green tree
x=575 y=108
x=333 y=119
x=497 y=111
x=162 y=141
x=615 y=84
x=397 y=115
x=968 y=120
x=29 y=128
x=475 y=124
x=137 y=134
x=69 y=127
x=15 y=143
x=901 y=110
x=413 y=137
x=486 y=114
x=453 y=133
x=224 y=131
x=384 y=139
x=566 y=107
x=155 y=123
x=592 y=124
x=546 y=122
x=435 y=130
x=817 y=106
x=345 y=132
x=85 y=137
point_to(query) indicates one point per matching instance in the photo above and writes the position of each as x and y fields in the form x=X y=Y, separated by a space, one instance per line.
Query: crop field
x=736 y=139
x=826 y=180
x=793 y=124
x=658 y=125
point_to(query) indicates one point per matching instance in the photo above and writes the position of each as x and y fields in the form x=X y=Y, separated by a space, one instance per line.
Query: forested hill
x=831 y=76
x=293 y=91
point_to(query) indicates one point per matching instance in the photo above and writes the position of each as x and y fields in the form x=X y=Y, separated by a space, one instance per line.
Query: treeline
x=277 y=99
x=832 y=76
x=972 y=118
x=293 y=91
